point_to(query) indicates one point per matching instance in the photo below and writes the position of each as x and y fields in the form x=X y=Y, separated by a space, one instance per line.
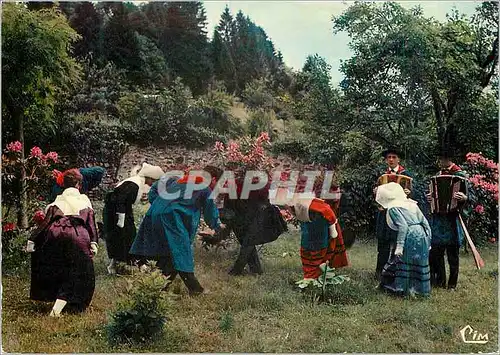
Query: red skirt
x=335 y=254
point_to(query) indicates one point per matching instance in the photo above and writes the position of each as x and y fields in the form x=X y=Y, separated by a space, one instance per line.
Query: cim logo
x=471 y=336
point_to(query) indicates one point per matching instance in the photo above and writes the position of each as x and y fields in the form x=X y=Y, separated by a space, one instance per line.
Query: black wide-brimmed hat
x=446 y=153
x=388 y=151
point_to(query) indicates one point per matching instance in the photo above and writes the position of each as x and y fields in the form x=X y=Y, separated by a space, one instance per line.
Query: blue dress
x=409 y=273
x=170 y=225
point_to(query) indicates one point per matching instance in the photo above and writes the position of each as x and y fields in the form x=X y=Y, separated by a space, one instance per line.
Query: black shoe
x=234 y=272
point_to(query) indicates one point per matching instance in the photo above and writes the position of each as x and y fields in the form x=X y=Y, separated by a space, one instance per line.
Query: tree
x=88 y=22
x=179 y=30
x=409 y=73
x=36 y=67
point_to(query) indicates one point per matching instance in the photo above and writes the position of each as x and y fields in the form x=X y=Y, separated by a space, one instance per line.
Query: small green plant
x=140 y=314
x=323 y=283
x=226 y=321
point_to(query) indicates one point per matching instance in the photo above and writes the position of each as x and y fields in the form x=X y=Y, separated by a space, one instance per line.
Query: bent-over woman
x=407 y=270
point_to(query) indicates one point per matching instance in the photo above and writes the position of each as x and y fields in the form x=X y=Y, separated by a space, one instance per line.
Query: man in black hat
x=385 y=235
x=447 y=231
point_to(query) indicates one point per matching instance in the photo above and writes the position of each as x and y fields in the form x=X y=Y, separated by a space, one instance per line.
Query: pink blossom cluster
x=35 y=152
x=480 y=182
x=479 y=209
x=478 y=160
x=253 y=157
x=39 y=217
x=8 y=227
x=14 y=147
x=52 y=156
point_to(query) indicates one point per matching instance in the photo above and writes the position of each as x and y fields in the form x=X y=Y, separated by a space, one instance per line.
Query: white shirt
x=395 y=170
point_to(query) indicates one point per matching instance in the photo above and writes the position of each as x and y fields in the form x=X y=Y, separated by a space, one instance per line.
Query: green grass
x=268 y=313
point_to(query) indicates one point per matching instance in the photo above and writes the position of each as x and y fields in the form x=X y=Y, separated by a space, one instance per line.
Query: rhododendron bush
x=245 y=154
x=483 y=177
x=38 y=167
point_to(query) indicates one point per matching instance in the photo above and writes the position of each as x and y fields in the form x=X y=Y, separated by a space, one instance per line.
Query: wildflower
x=219 y=146
x=479 y=209
x=15 y=146
x=36 y=152
x=8 y=227
x=39 y=217
x=52 y=156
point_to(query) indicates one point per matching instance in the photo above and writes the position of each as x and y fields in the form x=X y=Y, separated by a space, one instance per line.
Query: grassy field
x=268 y=313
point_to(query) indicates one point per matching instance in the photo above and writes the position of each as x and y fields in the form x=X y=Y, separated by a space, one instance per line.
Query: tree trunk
x=22 y=208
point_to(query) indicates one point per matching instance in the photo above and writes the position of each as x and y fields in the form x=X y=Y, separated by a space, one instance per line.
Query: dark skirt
x=62 y=268
x=118 y=240
x=257 y=223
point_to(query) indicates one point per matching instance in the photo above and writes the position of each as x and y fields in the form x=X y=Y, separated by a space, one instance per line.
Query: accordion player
x=442 y=189
x=403 y=180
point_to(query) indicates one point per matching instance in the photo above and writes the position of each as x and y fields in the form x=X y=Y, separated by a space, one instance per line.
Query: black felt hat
x=446 y=153
x=388 y=151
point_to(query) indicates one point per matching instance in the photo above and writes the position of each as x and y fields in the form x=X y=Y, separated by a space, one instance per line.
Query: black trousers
x=438 y=268
x=166 y=265
x=248 y=255
x=383 y=254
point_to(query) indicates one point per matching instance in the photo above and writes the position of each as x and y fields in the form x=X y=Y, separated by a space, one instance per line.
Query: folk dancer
x=92 y=177
x=118 y=214
x=319 y=232
x=447 y=232
x=62 y=248
x=385 y=235
x=170 y=226
x=255 y=221
x=407 y=270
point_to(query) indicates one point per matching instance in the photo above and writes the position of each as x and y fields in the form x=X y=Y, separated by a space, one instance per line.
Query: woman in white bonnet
x=118 y=214
x=407 y=270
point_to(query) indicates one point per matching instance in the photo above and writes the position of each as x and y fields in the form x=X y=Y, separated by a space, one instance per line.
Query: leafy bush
x=213 y=111
x=94 y=140
x=100 y=91
x=14 y=258
x=198 y=137
x=483 y=175
x=295 y=147
x=157 y=117
x=261 y=121
x=140 y=314
x=257 y=95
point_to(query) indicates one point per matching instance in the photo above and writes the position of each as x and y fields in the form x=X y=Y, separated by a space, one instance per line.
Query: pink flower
x=52 y=156
x=8 y=227
x=15 y=146
x=36 y=152
x=263 y=138
x=479 y=209
x=219 y=146
x=39 y=217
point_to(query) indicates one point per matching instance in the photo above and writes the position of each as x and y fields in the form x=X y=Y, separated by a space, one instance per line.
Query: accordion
x=442 y=189
x=403 y=180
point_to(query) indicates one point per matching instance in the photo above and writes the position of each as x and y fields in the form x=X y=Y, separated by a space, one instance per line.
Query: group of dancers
x=410 y=249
